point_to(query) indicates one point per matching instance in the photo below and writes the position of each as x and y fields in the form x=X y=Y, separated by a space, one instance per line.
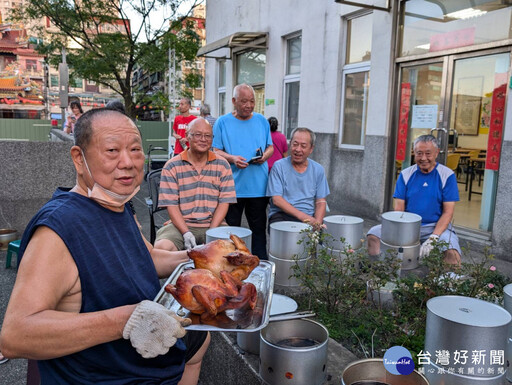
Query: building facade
x=22 y=75
x=149 y=83
x=368 y=80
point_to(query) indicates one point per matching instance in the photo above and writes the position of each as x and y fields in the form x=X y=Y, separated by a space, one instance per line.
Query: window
x=250 y=67
x=91 y=86
x=356 y=82
x=359 y=39
x=54 y=81
x=31 y=65
x=355 y=105
x=431 y=26
x=75 y=82
x=292 y=83
x=222 y=88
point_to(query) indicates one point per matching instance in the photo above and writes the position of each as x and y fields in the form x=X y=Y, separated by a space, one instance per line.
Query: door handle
x=438 y=129
x=441 y=148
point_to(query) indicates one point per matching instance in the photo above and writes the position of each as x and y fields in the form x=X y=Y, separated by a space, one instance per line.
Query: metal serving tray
x=231 y=320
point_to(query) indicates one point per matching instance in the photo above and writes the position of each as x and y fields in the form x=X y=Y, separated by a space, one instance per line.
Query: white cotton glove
x=190 y=240
x=153 y=329
x=427 y=246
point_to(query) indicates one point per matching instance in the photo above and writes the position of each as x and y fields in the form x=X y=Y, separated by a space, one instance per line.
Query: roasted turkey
x=224 y=255
x=201 y=292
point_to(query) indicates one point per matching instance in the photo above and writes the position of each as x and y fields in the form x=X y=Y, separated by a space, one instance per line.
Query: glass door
x=453 y=99
x=477 y=94
x=421 y=106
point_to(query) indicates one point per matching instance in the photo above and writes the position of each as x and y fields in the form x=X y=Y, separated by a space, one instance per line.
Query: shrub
x=341 y=288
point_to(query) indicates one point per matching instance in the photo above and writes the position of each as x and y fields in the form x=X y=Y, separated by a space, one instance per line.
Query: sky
x=157 y=16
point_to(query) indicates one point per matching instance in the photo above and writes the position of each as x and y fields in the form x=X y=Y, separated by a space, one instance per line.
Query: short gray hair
x=204 y=109
x=312 y=135
x=237 y=89
x=426 y=139
x=194 y=122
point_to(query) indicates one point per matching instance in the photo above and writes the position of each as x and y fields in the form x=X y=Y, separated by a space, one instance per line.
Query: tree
x=100 y=43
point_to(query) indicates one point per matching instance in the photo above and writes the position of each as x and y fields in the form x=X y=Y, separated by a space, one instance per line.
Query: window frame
x=352 y=69
x=236 y=65
x=288 y=79
x=357 y=67
x=221 y=89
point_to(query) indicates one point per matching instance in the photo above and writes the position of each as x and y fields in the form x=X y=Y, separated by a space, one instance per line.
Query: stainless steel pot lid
x=282 y=304
x=343 y=219
x=468 y=311
x=226 y=231
x=290 y=226
x=401 y=216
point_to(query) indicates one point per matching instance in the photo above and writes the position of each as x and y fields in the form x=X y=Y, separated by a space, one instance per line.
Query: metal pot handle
x=288 y=316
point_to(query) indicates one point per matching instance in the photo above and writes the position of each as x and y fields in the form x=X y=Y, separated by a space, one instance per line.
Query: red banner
x=403 y=121
x=496 y=127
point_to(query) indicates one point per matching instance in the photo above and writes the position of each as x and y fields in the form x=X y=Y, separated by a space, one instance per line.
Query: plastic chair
x=13 y=247
x=153 y=179
x=398 y=168
x=452 y=162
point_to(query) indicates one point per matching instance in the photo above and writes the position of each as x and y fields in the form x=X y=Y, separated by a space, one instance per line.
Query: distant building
x=148 y=84
x=21 y=75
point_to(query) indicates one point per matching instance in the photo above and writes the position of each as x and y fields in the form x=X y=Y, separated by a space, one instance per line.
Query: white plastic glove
x=153 y=329
x=427 y=246
x=190 y=240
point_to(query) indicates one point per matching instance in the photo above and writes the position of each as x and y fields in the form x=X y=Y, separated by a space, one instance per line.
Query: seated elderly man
x=297 y=185
x=82 y=304
x=196 y=187
x=428 y=189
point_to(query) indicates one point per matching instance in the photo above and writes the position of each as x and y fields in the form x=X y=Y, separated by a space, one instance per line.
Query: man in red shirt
x=180 y=125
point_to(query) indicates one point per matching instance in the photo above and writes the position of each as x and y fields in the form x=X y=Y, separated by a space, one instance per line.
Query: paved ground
x=14 y=371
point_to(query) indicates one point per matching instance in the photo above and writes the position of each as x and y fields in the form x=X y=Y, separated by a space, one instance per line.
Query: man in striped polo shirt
x=196 y=187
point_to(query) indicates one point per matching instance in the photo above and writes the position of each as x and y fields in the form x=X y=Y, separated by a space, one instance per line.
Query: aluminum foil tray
x=231 y=320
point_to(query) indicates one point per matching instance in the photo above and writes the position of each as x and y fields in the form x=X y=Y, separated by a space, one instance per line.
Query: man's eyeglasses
x=197 y=136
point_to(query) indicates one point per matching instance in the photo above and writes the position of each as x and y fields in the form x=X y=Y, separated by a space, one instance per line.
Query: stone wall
x=30 y=173
x=502 y=229
x=356 y=178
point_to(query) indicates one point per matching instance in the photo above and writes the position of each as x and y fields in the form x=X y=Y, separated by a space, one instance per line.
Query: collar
x=211 y=156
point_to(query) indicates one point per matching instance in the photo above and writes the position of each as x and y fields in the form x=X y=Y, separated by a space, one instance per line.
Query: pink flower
x=492 y=268
x=490 y=285
x=350 y=251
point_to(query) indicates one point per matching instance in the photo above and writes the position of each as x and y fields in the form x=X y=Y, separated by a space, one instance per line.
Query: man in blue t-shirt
x=297 y=185
x=243 y=138
x=430 y=190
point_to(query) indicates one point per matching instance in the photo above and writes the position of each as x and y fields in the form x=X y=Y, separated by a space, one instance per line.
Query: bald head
x=85 y=124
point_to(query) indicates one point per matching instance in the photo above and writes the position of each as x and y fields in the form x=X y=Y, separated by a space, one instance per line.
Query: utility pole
x=172 y=97
x=63 y=86
x=46 y=89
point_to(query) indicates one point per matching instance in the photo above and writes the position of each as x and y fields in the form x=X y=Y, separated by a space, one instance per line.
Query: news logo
x=398 y=361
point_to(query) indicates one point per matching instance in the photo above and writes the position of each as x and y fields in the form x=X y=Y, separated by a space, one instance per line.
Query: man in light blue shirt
x=243 y=138
x=297 y=185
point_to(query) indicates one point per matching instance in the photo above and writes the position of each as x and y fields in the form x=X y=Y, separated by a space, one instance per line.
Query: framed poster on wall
x=468 y=105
